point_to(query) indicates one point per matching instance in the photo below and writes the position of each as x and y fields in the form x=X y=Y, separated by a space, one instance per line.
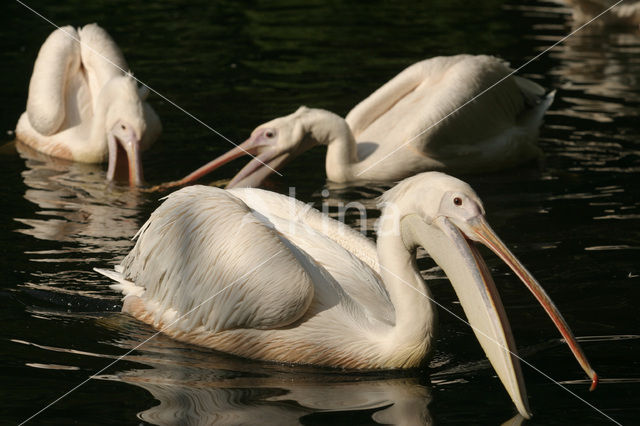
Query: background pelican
x=409 y=125
x=261 y=275
x=82 y=107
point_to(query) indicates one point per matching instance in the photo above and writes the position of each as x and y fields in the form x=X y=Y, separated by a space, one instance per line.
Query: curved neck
x=327 y=128
x=415 y=317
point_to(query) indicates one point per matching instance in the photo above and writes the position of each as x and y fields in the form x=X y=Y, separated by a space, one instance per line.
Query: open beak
x=124 y=158
x=266 y=159
x=259 y=168
x=269 y=160
x=478 y=295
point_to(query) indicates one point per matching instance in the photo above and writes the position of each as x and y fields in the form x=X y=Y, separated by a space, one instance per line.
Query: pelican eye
x=123 y=127
x=269 y=133
x=457 y=201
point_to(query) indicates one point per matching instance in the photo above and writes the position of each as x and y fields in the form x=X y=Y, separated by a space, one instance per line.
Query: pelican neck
x=415 y=316
x=329 y=129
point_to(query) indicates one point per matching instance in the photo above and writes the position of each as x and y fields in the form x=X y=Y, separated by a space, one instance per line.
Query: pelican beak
x=483 y=233
x=270 y=159
x=124 y=156
x=256 y=170
x=266 y=159
x=451 y=249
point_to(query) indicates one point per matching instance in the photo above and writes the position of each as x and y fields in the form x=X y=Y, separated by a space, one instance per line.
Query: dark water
x=573 y=220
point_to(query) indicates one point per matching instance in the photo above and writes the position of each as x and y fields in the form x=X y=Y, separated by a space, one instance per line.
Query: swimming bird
x=83 y=107
x=264 y=276
x=459 y=113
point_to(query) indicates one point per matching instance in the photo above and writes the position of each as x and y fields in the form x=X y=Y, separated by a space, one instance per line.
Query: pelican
x=83 y=107
x=425 y=118
x=264 y=276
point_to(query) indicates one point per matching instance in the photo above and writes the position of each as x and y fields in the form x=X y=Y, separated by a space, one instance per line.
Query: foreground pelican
x=83 y=107
x=423 y=119
x=261 y=275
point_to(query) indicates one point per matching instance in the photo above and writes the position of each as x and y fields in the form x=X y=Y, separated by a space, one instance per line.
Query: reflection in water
x=195 y=386
x=618 y=13
x=192 y=397
x=598 y=75
x=82 y=207
x=600 y=71
x=90 y=221
x=199 y=387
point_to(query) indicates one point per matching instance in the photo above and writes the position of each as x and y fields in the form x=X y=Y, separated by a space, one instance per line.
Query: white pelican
x=261 y=275
x=83 y=107
x=420 y=120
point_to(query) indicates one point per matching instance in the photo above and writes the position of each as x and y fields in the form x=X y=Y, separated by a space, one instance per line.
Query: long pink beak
x=249 y=147
x=244 y=148
x=486 y=235
x=129 y=148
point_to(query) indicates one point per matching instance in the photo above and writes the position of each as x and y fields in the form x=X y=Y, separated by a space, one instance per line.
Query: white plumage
x=459 y=113
x=215 y=240
x=83 y=107
x=264 y=276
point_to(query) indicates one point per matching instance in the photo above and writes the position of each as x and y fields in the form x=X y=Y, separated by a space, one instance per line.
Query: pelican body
x=459 y=113
x=264 y=276
x=82 y=106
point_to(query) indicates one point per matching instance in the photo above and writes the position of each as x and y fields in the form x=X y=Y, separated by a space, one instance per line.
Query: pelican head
x=272 y=144
x=125 y=127
x=446 y=217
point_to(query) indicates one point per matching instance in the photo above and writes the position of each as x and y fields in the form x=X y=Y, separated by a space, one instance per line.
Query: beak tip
x=524 y=410
x=594 y=382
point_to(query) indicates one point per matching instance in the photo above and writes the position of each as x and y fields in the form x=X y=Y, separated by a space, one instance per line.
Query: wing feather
x=382 y=100
x=274 y=204
x=459 y=107
x=204 y=253
x=349 y=257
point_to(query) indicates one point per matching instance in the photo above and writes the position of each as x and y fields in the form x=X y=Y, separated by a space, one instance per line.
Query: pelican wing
x=205 y=257
x=58 y=58
x=272 y=204
x=361 y=283
x=350 y=258
x=380 y=102
x=450 y=108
